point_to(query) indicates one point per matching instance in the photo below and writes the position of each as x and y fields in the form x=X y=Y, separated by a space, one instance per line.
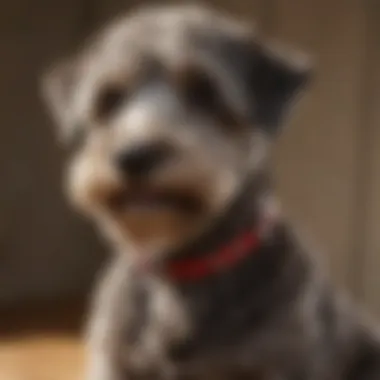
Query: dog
x=171 y=112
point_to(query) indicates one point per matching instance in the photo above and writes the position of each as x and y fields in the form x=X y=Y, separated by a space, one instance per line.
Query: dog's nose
x=142 y=160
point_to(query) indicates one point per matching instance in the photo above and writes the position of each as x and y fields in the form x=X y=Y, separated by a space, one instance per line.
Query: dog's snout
x=141 y=160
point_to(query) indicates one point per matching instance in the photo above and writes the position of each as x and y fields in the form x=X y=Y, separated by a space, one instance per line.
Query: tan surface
x=41 y=358
x=41 y=345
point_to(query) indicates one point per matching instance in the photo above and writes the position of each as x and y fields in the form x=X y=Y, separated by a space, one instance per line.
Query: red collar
x=196 y=268
x=245 y=244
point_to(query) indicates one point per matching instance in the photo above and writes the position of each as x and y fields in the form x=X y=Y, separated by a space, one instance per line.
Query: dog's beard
x=161 y=235
x=146 y=200
x=158 y=221
x=157 y=230
x=160 y=213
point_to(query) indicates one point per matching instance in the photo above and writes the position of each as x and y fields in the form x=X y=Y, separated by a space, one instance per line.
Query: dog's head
x=171 y=110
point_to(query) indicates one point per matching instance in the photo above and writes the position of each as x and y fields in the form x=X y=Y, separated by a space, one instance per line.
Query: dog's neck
x=239 y=231
x=222 y=306
x=253 y=288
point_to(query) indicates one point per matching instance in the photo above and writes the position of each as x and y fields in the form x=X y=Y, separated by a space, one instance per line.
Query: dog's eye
x=200 y=91
x=109 y=101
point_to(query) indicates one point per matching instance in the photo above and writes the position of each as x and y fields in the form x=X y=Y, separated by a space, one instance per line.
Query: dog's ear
x=270 y=79
x=275 y=79
x=57 y=87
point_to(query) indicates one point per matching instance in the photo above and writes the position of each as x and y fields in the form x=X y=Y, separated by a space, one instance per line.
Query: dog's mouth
x=143 y=199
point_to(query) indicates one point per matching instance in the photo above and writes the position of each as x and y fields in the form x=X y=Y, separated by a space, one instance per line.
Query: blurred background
x=327 y=162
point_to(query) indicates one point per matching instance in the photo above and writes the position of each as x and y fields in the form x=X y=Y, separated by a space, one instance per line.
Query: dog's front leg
x=102 y=367
x=109 y=321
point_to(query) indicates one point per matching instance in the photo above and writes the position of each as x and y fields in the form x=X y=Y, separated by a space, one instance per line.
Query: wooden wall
x=327 y=162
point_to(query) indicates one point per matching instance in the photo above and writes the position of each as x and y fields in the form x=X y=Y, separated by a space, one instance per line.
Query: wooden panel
x=316 y=159
x=369 y=249
x=44 y=249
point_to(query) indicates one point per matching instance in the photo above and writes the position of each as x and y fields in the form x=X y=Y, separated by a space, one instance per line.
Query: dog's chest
x=160 y=320
x=174 y=332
